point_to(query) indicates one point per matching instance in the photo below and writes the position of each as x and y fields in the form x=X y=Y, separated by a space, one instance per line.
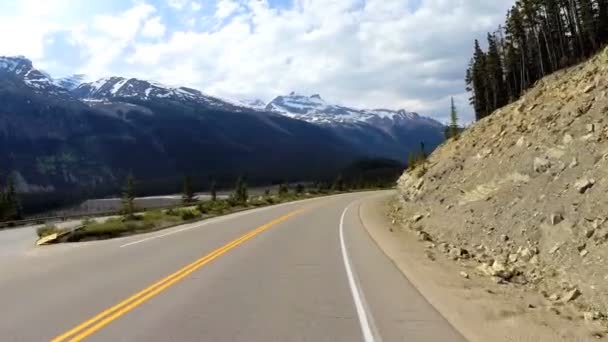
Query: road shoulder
x=479 y=309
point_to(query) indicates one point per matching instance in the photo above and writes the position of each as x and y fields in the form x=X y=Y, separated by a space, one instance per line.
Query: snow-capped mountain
x=100 y=122
x=256 y=104
x=315 y=109
x=37 y=80
x=131 y=88
x=70 y=82
x=375 y=131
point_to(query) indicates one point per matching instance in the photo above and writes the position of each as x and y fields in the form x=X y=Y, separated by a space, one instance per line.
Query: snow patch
x=118 y=85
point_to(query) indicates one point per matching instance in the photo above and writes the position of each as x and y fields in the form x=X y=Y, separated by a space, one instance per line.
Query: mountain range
x=64 y=134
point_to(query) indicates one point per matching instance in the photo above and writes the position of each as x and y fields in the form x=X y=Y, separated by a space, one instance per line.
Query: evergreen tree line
x=10 y=207
x=538 y=38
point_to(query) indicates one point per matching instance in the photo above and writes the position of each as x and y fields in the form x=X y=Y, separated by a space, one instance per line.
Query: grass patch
x=47 y=230
x=139 y=223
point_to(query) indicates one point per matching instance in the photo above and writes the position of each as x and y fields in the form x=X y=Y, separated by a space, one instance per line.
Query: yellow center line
x=97 y=322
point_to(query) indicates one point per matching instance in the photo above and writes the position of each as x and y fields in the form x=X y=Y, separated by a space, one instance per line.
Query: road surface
x=303 y=271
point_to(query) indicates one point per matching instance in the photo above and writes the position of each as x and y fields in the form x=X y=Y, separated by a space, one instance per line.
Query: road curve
x=303 y=271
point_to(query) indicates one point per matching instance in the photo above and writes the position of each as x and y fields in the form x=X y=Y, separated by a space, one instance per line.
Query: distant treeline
x=539 y=37
x=365 y=173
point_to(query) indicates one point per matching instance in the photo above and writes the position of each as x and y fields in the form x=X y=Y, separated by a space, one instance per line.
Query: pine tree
x=495 y=76
x=213 y=191
x=540 y=37
x=478 y=81
x=338 y=183
x=411 y=161
x=299 y=189
x=283 y=190
x=423 y=154
x=128 y=198
x=188 y=191
x=453 y=128
x=13 y=205
x=240 y=194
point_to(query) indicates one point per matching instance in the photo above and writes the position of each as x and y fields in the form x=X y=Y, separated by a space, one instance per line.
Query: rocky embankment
x=522 y=196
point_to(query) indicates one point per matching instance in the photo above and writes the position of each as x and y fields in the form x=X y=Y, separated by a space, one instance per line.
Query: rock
x=555 y=248
x=592 y=315
x=504 y=238
x=498 y=280
x=581 y=247
x=465 y=275
x=485 y=269
x=589 y=88
x=417 y=218
x=526 y=254
x=423 y=236
x=513 y=258
x=584 y=184
x=554 y=297
x=571 y=295
x=520 y=142
x=534 y=260
x=584 y=108
x=541 y=165
x=590 y=128
x=567 y=139
x=584 y=253
x=556 y=218
x=574 y=163
x=519 y=279
x=589 y=232
x=497 y=269
x=459 y=253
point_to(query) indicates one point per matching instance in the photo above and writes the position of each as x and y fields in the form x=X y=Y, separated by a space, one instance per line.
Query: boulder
x=541 y=165
x=571 y=295
x=556 y=218
x=584 y=184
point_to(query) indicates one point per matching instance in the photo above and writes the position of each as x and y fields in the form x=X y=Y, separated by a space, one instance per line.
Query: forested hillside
x=539 y=37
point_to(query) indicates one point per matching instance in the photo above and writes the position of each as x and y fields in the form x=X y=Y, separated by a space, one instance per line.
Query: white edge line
x=366 y=329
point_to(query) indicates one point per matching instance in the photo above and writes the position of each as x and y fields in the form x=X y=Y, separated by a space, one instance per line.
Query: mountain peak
x=16 y=64
x=70 y=82
x=37 y=80
x=316 y=96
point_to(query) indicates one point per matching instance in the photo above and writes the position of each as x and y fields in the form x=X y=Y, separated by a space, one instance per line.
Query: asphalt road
x=304 y=271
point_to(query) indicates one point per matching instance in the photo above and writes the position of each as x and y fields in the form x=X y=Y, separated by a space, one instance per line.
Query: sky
x=395 y=54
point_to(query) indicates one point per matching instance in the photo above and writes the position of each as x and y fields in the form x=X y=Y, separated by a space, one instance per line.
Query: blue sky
x=396 y=54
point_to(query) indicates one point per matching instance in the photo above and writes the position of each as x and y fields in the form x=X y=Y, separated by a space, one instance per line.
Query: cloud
x=178 y=4
x=370 y=53
x=196 y=6
x=153 y=28
x=226 y=8
x=185 y=4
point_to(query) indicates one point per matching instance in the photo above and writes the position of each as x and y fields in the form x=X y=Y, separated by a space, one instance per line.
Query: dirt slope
x=523 y=194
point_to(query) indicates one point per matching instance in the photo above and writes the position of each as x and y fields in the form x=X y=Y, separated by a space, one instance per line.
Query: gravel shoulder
x=479 y=308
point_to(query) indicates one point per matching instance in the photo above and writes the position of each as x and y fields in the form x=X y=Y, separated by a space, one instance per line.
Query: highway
x=302 y=271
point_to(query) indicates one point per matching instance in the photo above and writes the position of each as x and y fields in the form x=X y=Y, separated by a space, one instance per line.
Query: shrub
x=86 y=221
x=202 y=208
x=188 y=214
x=47 y=230
x=172 y=212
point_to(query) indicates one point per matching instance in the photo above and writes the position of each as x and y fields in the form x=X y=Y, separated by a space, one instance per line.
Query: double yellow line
x=99 y=321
